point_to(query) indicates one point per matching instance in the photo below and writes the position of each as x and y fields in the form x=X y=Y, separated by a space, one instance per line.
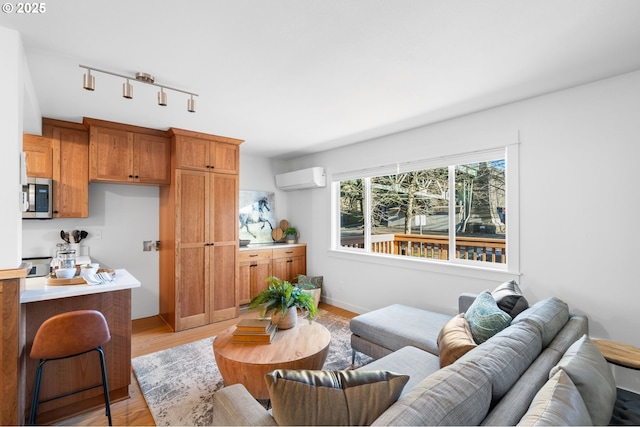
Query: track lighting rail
x=89 y=84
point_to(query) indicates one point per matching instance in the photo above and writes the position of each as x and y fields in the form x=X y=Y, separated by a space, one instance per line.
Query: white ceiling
x=292 y=77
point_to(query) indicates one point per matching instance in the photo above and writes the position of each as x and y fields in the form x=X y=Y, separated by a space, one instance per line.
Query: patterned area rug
x=177 y=383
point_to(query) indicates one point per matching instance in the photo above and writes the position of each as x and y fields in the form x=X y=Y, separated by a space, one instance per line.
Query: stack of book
x=254 y=331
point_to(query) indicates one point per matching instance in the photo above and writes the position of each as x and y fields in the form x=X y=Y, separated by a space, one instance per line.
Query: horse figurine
x=254 y=214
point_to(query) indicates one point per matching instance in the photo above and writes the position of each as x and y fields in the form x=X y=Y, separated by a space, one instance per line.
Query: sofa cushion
x=412 y=361
x=485 y=318
x=308 y=397
x=558 y=403
x=592 y=375
x=454 y=340
x=506 y=356
x=509 y=298
x=548 y=315
x=455 y=395
x=396 y=326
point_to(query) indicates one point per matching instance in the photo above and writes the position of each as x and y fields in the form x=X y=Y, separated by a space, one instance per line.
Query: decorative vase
x=287 y=320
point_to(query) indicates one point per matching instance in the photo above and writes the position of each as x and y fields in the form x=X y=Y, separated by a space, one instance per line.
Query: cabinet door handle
x=289 y=260
x=253 y=265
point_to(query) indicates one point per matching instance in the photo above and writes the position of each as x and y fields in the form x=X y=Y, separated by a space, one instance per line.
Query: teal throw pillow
x=485 y=318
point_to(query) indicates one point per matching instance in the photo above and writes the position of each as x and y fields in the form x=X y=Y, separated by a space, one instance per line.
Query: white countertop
x=37 y=290
x=255 y=246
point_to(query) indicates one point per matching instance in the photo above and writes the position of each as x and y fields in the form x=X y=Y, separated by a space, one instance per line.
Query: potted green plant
x=291 y=235
x=282 y=299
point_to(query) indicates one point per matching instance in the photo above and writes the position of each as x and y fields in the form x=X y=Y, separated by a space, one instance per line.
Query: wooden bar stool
x=68 y=335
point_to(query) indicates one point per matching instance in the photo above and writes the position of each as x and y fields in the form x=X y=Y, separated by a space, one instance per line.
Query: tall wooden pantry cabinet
x=199 y=231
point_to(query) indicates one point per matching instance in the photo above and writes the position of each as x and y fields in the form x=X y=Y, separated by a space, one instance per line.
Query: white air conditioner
x=305 y=178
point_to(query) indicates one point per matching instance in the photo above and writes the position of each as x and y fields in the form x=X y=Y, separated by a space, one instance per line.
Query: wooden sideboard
x=258 y=263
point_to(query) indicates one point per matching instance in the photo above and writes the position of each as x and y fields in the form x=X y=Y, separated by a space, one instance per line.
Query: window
x=451 y=210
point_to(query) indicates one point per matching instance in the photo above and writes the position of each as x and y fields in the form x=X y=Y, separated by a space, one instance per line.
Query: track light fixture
x=162 y=97
x=127 y=90
x=89 y=83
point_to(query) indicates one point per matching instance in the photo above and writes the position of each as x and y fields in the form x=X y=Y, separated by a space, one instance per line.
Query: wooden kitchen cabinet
x=128 y=154
x=62 y=154
x=12 y=357
x=39 y=156
x=198 y=246
x=206 y=152
x=70 y=168
x=255 y=268
x=289 y=262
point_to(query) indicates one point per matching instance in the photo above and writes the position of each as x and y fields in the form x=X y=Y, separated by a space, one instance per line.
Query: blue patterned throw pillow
x=485 y=318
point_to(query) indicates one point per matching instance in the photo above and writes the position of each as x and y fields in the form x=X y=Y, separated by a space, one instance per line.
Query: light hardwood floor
x=149 y=335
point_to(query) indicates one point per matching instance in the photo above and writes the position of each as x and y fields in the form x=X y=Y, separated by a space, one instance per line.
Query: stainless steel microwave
x=36 y=198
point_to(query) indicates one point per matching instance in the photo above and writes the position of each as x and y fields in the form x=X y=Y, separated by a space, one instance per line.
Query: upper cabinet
x=206 y=152
x=62 y=154
x=39 y=155
x=128 y=154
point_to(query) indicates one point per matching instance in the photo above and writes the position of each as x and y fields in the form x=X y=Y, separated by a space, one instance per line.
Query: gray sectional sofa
x=503 y=381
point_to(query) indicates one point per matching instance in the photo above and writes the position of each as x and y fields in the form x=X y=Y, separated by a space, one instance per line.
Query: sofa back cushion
x=506 y=356
x=548 y=315
x=455 y=395
x=558 y=403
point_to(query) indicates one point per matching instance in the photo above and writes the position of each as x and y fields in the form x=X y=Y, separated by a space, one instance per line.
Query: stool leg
x=36 y=394
x=105 y=384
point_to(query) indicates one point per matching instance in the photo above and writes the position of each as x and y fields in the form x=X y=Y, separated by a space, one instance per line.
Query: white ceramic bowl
x=65 y=273
x=88 y=270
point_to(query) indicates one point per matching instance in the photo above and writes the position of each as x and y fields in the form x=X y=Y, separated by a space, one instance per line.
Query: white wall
x=11 y=103
x=579 y=157
x=121 y=217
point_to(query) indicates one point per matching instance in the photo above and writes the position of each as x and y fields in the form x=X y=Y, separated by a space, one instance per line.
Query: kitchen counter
x=37 y=290
x=39 y=302
x=254 y=246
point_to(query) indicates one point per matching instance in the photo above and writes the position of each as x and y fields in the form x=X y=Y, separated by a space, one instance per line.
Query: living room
x=576 y=162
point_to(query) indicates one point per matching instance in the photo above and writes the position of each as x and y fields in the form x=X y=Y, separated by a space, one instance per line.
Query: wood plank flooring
x=149 y=335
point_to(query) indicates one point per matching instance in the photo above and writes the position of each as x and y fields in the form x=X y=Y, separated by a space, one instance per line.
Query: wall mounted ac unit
x=304 y=178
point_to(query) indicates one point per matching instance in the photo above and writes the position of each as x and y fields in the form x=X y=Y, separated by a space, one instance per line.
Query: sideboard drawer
x=255 y=255
x=290 y=252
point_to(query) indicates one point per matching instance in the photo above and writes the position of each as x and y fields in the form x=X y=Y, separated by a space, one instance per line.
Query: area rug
x=178 y=382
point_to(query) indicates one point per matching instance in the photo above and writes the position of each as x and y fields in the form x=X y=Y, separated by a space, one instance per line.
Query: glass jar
x=66 y=258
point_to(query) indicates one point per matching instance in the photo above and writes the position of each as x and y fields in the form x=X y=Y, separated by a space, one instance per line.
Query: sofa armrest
x=465 y=300
x=234 y=406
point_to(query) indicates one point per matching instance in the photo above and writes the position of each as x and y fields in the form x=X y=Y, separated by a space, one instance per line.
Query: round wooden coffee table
x=303 y=347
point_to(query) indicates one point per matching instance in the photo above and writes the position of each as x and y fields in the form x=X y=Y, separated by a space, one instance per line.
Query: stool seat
x=68 y=335
x=71 y=333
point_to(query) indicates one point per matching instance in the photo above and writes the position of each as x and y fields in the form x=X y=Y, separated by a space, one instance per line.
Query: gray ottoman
x=388 y=329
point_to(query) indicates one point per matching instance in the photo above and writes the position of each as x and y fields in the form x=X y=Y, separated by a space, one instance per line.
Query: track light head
x=162 y=97
x=191 y=105
x=88 y=81
x=127 y=90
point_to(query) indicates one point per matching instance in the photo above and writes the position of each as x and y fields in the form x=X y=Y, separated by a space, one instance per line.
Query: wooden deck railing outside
x=434 y=246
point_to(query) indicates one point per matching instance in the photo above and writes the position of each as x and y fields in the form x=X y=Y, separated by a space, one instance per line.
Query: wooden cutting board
x=54 y=281
x=277 y=234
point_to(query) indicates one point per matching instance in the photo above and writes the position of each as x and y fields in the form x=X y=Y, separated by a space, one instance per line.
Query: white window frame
x=492 y=271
